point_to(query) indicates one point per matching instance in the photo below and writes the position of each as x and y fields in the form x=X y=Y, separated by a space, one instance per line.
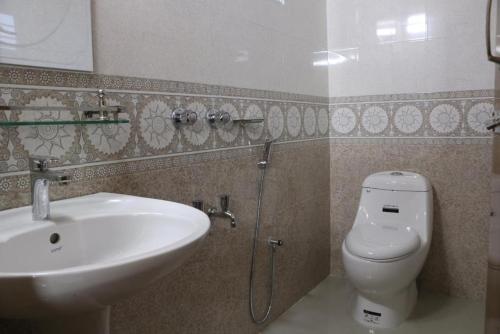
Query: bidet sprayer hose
x=272 y=243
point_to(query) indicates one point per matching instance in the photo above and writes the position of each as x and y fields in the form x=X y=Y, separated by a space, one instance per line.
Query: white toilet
x=387 y=246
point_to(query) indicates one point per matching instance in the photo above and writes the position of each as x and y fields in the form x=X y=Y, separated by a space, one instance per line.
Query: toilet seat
x=382 y=242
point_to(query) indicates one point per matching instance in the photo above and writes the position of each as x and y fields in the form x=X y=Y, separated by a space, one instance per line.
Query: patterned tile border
x=150 y=131
x=13 y=75
x=459 y=115
x=441 y=118
x=84 y=173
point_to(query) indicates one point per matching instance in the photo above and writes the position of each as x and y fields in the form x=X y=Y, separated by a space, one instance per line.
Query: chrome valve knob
x=217 y=118
x=182 y=116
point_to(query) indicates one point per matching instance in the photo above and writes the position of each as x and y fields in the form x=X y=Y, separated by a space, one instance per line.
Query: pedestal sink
x=92 y=252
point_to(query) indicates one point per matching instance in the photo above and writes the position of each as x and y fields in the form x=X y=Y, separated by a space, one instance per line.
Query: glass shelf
x=98 y=115
x=75 y=122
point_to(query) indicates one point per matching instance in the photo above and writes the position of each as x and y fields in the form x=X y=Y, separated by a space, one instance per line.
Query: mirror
x=49 y=33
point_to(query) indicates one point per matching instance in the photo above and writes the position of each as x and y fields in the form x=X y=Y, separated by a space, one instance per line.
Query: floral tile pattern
x=254 y=131
x=229 y=132
x=293 y=122
x=453 y=115
x=408 y=119
x=323 y=121
x=445 y=118
x=150 y=131
x=276 y=122
x=156 y=130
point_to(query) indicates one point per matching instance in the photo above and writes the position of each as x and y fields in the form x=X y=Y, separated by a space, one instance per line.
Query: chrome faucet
x=224 y=212
x=41 y=176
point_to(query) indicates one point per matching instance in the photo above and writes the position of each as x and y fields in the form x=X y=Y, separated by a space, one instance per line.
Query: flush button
x=397 y=174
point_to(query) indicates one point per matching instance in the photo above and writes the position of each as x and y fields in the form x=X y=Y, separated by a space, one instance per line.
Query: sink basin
x=93 y=251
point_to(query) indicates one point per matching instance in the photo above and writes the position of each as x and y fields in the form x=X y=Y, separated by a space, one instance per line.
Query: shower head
x=267 y=154
x=267 y=149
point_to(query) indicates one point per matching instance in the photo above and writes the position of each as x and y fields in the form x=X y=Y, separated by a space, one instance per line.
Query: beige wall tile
x=209 y=293
x=460 y=176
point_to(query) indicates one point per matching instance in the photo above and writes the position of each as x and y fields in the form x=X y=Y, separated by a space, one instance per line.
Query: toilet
x=387 y=245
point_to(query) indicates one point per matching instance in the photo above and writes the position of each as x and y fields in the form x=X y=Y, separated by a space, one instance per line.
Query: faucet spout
x=213 y=212
x=41 y=176
x=231 y=216
x=41 y=202
x=224 y=211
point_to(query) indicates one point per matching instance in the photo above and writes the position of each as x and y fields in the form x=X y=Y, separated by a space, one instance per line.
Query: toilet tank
x=397 y=199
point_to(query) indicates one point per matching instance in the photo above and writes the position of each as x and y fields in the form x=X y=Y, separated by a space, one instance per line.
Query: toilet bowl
x=387 y=246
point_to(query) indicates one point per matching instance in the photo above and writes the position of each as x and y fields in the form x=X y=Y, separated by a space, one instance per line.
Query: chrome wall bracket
x=102 y=112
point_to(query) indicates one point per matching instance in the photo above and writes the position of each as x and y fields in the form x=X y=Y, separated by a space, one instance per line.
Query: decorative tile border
x=150 y=131
x=13 y=75
x=91 y=172
x=436 y=115
x=434 y=118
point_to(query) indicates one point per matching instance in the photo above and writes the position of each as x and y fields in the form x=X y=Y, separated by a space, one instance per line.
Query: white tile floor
x=325 y=310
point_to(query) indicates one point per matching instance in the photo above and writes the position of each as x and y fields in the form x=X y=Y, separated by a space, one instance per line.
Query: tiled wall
x=227 y=43
x=259 y=44
x=209 y=294
x=150 y=133
x=149 y=157
x=233 y=55
x=457 y=116
x=411 y=88
x=394 y=47
x=441 y=136
x=460 y=176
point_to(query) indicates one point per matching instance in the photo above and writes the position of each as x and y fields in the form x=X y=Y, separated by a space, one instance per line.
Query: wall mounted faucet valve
x=198 y=204
x=275 y=243
x=182 y=116
x=224 y=211
x=218 y=118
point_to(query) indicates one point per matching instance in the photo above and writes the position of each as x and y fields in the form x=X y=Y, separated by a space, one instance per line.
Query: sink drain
x=54 y=238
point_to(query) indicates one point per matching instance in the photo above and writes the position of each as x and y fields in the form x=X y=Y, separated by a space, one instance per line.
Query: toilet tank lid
x=397 y=180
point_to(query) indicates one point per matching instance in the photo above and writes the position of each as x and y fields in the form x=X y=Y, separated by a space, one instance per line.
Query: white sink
x=109 y=247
